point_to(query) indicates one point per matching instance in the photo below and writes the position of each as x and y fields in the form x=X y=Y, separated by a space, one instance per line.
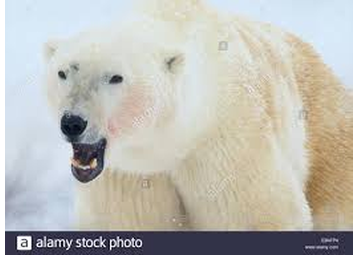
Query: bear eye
x=62 y=75
x=116 y=79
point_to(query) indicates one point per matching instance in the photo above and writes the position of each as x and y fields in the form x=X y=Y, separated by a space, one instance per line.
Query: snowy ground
x=39 y=186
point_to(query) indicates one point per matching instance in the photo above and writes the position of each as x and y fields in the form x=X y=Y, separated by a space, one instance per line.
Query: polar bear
x=234 y=124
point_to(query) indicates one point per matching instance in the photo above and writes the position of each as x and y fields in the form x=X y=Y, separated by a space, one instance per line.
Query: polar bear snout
x=73 y=126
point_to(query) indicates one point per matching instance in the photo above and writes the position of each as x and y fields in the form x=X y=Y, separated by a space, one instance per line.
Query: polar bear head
x=132 y=97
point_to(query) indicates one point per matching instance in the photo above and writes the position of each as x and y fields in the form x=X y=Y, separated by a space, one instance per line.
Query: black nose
x=72 y=126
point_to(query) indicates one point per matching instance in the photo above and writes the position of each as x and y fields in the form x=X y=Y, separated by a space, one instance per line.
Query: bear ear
x=50 y=49
x=174 y=62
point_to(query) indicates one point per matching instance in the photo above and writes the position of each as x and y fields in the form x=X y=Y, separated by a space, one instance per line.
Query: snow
x=39 y=185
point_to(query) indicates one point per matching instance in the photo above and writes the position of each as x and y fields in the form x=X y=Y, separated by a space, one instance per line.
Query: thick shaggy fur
x=239 y=125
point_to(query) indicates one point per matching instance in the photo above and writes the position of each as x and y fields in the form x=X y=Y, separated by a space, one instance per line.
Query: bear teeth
x=77 y=164
x=93 y=163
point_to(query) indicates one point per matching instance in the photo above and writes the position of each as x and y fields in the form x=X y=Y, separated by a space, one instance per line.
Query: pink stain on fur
x=130 y=113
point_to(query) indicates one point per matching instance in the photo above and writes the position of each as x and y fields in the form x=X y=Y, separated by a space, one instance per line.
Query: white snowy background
x=39 y=185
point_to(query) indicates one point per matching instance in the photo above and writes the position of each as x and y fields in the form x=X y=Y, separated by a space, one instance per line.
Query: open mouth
x=88 y=160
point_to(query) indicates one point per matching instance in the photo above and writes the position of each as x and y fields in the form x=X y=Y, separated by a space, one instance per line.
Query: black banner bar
x=183 y=243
